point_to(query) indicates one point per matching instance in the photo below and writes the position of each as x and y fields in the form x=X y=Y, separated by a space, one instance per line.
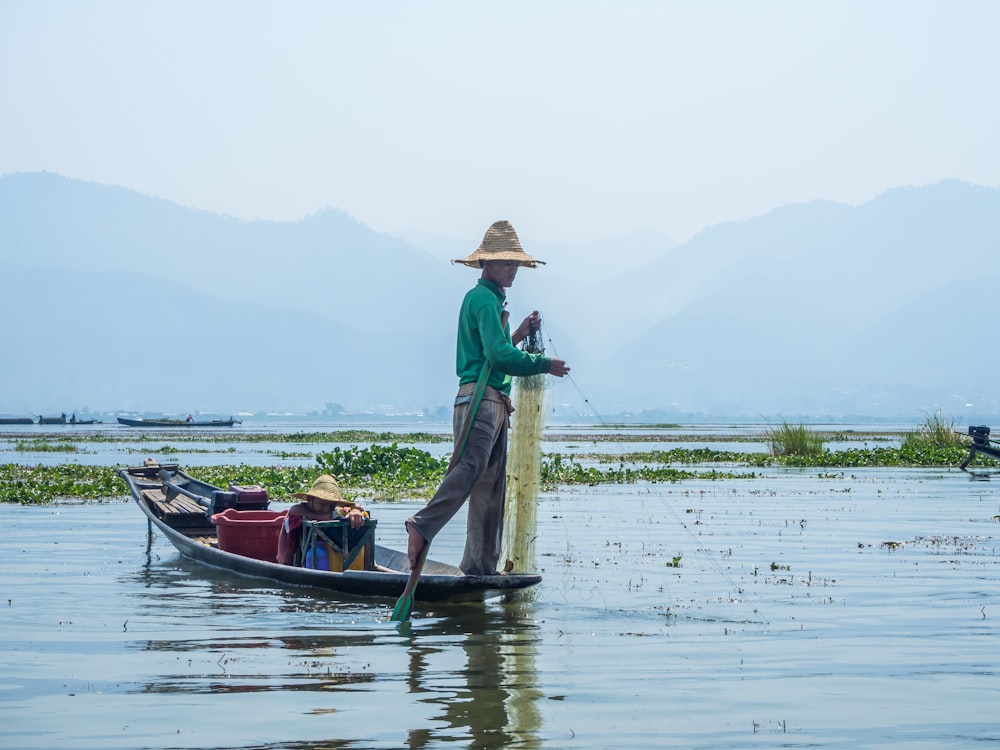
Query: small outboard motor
x=981 y=443
x=980 y=435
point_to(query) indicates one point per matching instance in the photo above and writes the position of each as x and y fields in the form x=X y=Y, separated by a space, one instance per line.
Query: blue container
x=317 y=558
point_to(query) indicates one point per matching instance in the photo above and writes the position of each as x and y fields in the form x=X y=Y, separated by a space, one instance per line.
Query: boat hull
x=439 y=583
x=176 y=422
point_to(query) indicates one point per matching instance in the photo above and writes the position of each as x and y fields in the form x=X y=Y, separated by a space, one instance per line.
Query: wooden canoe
x=183 y=521
x=177 y=422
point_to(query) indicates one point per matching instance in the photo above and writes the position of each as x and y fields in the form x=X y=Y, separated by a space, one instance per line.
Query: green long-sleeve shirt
x=483 y=336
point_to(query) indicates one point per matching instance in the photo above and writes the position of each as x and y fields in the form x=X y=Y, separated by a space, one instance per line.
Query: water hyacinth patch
x=43 y=445
x=398 y=471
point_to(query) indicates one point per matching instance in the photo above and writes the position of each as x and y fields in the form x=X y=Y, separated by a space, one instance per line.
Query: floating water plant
x=42 y=445
x=395 y=471
x=935 y=432
x=789 y=440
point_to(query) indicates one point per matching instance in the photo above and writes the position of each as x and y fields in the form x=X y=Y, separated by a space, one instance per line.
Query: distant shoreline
x=618 y=433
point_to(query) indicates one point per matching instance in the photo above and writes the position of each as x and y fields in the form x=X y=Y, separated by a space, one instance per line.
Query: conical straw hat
x=499 y=243
x=324 y=488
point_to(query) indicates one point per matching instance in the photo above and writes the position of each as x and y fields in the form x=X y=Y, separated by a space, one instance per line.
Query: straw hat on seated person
x=325 y=488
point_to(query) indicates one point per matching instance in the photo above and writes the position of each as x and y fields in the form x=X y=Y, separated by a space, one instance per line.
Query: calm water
x=841 y=611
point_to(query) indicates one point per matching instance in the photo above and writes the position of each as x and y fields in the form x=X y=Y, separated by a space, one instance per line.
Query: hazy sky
x=573 y=119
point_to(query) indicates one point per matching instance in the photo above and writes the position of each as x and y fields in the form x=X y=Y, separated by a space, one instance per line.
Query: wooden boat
x=177 y=422
x=58 y=420
x=178 y=506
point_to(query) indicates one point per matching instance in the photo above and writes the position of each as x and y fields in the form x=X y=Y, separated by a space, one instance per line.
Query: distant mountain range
x=117 y=300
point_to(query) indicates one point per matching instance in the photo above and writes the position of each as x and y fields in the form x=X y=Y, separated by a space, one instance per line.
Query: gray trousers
x=481 y=477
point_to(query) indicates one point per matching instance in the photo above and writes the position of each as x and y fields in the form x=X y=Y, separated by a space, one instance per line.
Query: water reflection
x=495 y=701
x=977 y=475
x=468 y=669
x=469 y=672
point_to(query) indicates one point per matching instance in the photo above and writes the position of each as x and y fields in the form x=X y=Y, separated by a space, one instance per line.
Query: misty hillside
x=114 y=299
x=821 y=307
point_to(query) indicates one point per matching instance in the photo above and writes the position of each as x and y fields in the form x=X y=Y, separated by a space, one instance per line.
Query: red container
x=250 y=533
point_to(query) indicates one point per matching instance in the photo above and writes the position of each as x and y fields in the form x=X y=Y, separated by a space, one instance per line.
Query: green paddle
x=404 y=604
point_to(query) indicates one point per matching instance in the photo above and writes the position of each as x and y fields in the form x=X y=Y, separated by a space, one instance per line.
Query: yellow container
x=337 y=559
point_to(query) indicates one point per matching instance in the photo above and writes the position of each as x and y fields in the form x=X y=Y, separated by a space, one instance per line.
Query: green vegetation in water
x=917 y=455
x=686 y=456
x=361 y=436
x=558 y=470
x=42 y=445
x=793 y=440
x=29 y=485
x=936 y=432
x=384 y=471
x=639 y=434
x=394 y=471
x=285 y=455
x=169 y=450
x=155 y=435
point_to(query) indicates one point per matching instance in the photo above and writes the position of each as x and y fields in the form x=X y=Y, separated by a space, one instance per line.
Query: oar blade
x=404 y=605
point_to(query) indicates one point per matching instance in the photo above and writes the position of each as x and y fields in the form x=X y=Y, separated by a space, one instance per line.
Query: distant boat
x=177 y=422
x=61 y=420
x=16 y=420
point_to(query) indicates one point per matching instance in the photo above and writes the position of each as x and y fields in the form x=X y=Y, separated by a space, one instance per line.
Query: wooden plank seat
x=335 y=541
x=178 y=505
x=180 y=512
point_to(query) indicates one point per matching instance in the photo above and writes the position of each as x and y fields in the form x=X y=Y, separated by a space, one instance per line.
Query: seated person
x=321 y=502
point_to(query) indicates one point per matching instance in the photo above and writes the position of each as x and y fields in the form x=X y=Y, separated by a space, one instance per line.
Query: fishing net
x=524 y=464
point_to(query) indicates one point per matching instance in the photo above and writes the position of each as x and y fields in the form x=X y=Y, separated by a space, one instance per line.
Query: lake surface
x=841 y=610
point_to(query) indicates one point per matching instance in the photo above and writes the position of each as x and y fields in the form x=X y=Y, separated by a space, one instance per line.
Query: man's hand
x=558 y=368
x=532 y=323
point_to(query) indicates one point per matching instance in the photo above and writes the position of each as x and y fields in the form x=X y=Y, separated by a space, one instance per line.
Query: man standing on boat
x=486 y=359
